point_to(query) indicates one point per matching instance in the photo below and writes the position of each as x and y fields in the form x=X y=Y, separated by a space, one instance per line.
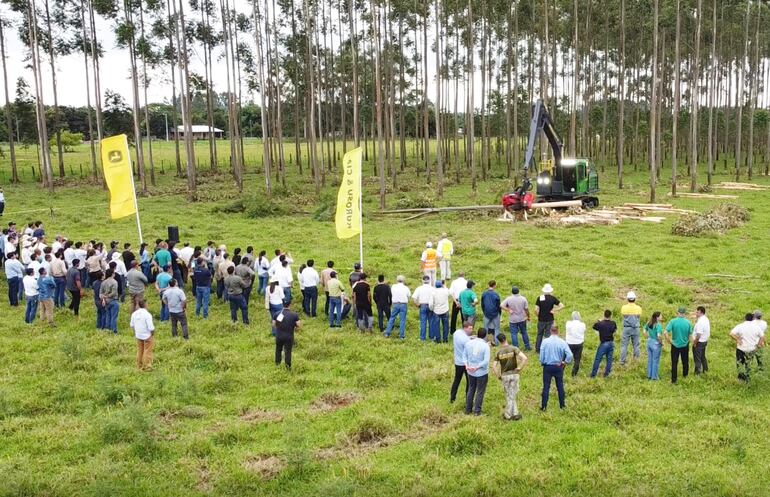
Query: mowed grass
x=361 y=415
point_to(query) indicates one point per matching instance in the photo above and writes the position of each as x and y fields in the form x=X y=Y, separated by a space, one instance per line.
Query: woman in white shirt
x=261 y=266
x=576 y=335
x=274 y=300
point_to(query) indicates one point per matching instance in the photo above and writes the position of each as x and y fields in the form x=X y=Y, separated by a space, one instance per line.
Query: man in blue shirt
x=554 y=355
x=477 y=365
x=460 y=339
x=202 y=281
x=14 y=273
x=46 y=288
x=490 y=306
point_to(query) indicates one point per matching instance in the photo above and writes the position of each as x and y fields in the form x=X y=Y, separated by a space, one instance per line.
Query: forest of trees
x=674 y=84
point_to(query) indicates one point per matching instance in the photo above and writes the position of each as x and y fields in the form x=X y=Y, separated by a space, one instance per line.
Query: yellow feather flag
x=348 y=217
x=116 y=161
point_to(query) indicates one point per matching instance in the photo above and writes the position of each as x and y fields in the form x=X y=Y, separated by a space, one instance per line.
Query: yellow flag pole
x=133 y=189
x=361 y=212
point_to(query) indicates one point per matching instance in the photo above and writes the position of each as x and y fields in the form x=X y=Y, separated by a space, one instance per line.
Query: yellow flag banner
x=116 y=161
x=348 y=217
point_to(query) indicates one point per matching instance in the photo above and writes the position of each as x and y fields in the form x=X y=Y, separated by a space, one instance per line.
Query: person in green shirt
x=468 y=302
x=654 y=332
x=678 y=335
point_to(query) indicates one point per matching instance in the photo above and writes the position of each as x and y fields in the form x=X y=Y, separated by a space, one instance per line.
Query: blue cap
x=439 y=284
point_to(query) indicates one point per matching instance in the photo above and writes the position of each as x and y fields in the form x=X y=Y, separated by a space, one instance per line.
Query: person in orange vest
x=429 y=262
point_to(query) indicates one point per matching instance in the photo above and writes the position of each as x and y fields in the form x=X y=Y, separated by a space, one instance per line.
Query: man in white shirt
x=275 y=263
x=455 y=289
x=31 y=295
x=440 y=308
x=400 y=294
x=58 y=244
x=423 y=298
x=701 y=333
x=445 y=249
x=748 y=339
x=285 y=279
x=141 y=323
x=185 y=253
x=310 y=279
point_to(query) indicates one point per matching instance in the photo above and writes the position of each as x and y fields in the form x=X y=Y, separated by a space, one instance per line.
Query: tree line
x=444 y=86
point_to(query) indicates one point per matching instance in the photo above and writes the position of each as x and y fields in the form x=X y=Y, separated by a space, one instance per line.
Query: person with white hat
x=445 y=250
x=632 y=317
x=428 y=262
x=546 y=306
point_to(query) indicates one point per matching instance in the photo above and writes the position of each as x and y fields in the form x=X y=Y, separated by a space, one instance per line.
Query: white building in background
x=201 y=132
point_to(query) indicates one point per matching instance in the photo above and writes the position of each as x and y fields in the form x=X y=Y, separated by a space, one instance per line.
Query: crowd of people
x=46 y=276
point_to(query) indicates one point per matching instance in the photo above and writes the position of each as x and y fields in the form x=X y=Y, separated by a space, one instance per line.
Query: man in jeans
x=14 y=273
x=632 y=314
x=74 y=286
x=59 y=273
x=311 y=279
x=234 y=287
x=554 y=356
x=749 y=338
x=439 y=308
x=285 y=323
x=509 y=361
x=137 y=282
x=30 y=295
x=47 y=289
x=517 y=307
x=423 y=297
x=334 y=291
x=701 y=333
x=490 y=308
x=477 y=364
x=460 y=339
x=546 y=306
x=176 y=301
x=606 y=329
x=382 y=297
x=400 y=294
x=678 y=335
x=202 y=281
x=109 y=295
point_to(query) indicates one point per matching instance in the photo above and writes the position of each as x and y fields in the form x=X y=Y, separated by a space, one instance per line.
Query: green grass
x=217 y=418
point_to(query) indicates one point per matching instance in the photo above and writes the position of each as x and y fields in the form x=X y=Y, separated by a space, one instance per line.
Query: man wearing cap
x=762 y=325
x=678 y=335
x=355 y=275
x=445 y=250
x=632 y=315
x=517 y=307
x=400 y=294
x=137 y=282
x=490 y=308
x=428 y=262
x=554 y=357
x=455 y=289
x=748 y=340
x=546 y=306
x=468 y=302
x=440 y=313
x=423 y=298
x=701 y=333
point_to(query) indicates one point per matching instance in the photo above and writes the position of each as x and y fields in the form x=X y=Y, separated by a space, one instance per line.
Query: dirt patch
x=267 y=467
x=434 y=418
x=258 y=415
x=203 y=482
x=331 y=401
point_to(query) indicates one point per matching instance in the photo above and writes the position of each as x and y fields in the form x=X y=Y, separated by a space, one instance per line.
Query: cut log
x=703 y=195
x=737 y=186
x=731 y=276
x=538 y=205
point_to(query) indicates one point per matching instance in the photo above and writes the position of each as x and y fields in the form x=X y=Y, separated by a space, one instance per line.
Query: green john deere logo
x=115 y=156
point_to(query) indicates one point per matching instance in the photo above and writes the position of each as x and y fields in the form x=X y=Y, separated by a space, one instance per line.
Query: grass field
x=361 y=415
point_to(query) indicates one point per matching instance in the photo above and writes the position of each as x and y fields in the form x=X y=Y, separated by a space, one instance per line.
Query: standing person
x=311 y=278
x=490 y=307
x=762 y=324
x=128 y=257
x=14 y=273
x=285 y=324
x=325 y=277
x=460 y=339
x=334 y=290
x=509 y=361
x=455 y=289
x=517 y=307
x=606 y=329
x=362 y=298
x=546 y=306
x=141 y=322
x=285 y=278
x=632 y=315
x=30 y=295
x=74 y=286
x=234 y=286
x=301 y=283
x=219 y=275
x=273 y=300
x=468 y=302
x=202 y=281
x=440 y=313
x=137 y=283
x=59 y=274
x=429 y=262
x=575 y=337
x=247 y=275
x=162 y=257
x=161 y=283
x=678 y=335
x=477 y=364
x=422 y=298
x=176 y=302
x=144 y=261
x=748 y=339
x=109 y=295
x=355 y=275
x=2 y=201
x=554 y=357
x=445 y=250
x=400 y=294
x=101 y=312
x=383 y=299
x=94 y=264
x=261 y=265
x=654 y=332
x=701 y=333
x=46 y=290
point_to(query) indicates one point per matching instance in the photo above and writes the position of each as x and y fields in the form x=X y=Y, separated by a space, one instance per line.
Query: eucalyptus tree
x=8 y=107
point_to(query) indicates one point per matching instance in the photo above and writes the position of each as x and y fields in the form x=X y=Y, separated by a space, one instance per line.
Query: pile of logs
x=728 y=185
x=648 y=213
x=703 y=195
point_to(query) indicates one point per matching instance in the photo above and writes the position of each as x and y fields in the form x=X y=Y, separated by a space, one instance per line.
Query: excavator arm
x=541 y=121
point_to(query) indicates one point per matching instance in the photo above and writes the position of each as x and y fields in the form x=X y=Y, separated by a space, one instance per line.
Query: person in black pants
x=74 y=286
x=383 y=298
x=285 y=323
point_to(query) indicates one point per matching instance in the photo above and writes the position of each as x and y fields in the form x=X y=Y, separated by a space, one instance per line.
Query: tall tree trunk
x=263 y=101
x=311 y=97
x=712 y=87
x=146 y=101
x=653 y=103
x=56 y=110
x=8 y=116
x=425 y=107
x=378 y=95
x=354 y=56
x=439 y=158
x=89 y=110
x=46 y=169
x=619 y=152
x=740 y=101
x=208 y=69
x=575 y=75
x=173 y=54
x=677 y=96
x=694 y=95
x=184 y=80
x=128 y=14
x=754 y=82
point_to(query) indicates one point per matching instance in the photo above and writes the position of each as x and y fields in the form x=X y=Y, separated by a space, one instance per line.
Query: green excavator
x=559 y=178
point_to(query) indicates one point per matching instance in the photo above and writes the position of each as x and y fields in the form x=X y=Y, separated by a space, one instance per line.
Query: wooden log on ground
x=537 y=205
x=728 y=184
x=703 y=195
